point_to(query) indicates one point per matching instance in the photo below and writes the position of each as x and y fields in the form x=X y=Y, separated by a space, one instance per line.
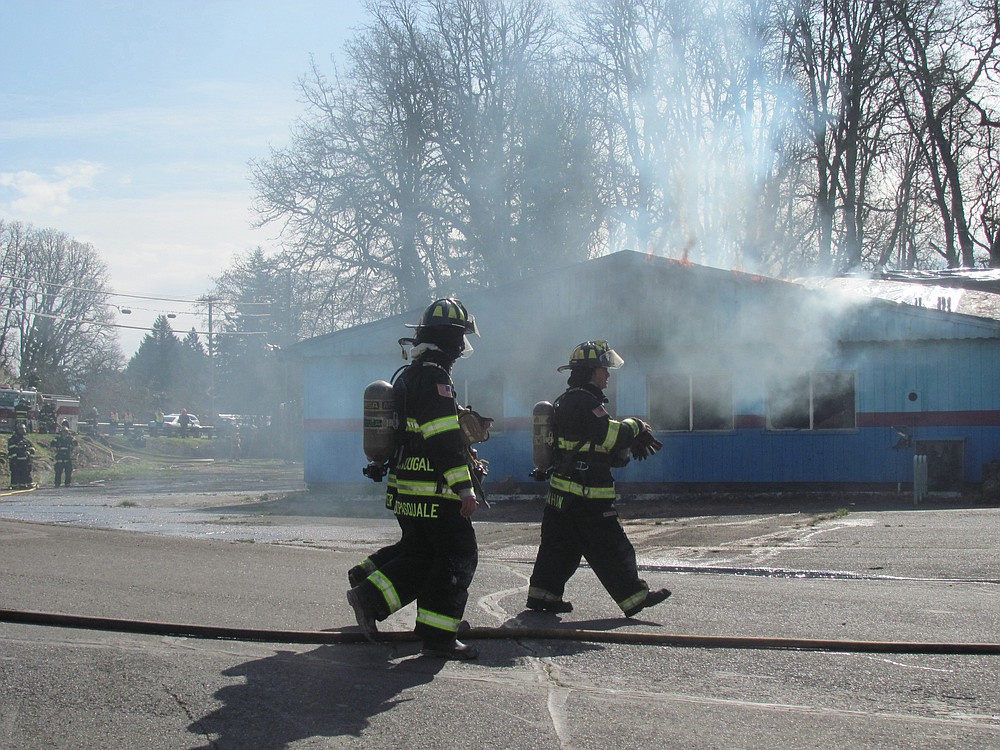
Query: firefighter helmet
x=593 y=354
x=446 y=312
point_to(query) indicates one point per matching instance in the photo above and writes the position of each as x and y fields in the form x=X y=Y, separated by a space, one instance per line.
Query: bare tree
x=509 y=136
x=470 y=142
x=943 y=54
x=696 y=111
x=13 y=243
x=357 y=189
x=449 y=155
x=989 y=197
x=838 y=50
x=750 y=103
x=634 y=53
x=55 y=318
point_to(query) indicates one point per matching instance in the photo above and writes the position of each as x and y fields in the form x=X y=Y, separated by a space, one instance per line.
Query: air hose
x=146 y=627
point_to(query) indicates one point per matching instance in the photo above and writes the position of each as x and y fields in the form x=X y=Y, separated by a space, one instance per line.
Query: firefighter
x=47 y=416
x=22 y=413
x=580 y=519
x=64 y=444
x=19 y=453
x=433 y=495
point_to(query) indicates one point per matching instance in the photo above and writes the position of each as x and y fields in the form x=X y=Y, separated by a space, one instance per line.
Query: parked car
x=172 y=424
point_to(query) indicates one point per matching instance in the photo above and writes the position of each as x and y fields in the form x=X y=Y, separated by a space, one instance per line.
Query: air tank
x=542 y=439
x=379 y=428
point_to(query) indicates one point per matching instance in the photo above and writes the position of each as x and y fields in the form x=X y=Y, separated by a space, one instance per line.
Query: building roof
x=978 y=296
x=637 y=299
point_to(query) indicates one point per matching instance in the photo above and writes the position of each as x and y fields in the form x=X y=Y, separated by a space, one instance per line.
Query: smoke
x=666 y=319
x=715 y=126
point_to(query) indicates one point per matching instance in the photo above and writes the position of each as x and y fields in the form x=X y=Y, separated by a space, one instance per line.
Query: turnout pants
x=64 y=468
x=20 y=471
x=590 y=529
x=383 y=555
x=433 y=564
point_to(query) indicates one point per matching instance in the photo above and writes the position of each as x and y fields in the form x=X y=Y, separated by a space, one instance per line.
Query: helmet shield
x=467 y=349
x=593 y=354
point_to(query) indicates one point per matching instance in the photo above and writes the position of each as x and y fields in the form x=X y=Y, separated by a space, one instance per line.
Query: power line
x=122 y=325
x=105 y=292
x=41 y=285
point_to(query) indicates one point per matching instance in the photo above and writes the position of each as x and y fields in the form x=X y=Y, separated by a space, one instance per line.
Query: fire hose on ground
x=146 y=627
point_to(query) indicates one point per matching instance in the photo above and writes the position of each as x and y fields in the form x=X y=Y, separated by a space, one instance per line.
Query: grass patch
x=839 y=513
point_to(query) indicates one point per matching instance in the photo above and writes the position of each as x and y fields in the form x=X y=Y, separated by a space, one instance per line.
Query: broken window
x=702 y=401
x=812 y=401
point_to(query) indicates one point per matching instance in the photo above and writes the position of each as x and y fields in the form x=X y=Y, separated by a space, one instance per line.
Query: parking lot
x=257 y=557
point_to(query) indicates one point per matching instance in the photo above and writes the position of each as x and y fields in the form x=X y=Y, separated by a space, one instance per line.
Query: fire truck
x=9 y=400
x=67 y=407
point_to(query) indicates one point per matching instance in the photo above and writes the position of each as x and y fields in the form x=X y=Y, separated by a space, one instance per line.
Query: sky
x=129 y=125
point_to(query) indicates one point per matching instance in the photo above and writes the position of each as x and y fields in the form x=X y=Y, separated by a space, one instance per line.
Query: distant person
x=47 y=416
x=22 y=413
x=19 y=453
x=184 y=421
x=580 y=519
x=95 y=417
x=113 y=419
x=158 y=422
x=236 y=446
x=64 y=444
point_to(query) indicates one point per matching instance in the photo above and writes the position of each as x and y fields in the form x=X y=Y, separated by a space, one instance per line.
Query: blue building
x=750 y=382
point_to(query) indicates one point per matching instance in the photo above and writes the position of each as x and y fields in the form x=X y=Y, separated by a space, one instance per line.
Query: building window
x=812 y=401
x=702 y=401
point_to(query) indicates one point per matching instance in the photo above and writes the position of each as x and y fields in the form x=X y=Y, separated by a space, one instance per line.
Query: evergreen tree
x=155 y=370
x=194 y=376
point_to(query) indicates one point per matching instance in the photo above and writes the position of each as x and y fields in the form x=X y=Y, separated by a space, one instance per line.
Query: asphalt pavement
x=234 y=547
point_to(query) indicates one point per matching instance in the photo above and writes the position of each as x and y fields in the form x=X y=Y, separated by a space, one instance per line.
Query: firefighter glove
x=475 y=427
x=645 y=444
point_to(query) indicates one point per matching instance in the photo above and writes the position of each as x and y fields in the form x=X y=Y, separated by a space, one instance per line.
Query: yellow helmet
x=448 y=312
x=593 y=354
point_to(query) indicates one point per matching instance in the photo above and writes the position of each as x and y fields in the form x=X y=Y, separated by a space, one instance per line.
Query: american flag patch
x=446 y=391
x=600 y=411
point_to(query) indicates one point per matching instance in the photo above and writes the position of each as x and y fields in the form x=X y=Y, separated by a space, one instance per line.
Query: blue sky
x=128 y=124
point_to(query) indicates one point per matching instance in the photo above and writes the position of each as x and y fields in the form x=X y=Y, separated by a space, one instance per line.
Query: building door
x=945 y=464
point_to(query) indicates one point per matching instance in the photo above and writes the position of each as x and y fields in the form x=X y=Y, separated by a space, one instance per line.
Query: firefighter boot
x=454 y=650
x=652 y=599
x=555 y=606
x=356 y=575
x=364 y=613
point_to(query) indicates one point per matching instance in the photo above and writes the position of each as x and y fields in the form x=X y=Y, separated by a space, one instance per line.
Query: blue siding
x=956 y=376
x=694 y=320
x=864 y=456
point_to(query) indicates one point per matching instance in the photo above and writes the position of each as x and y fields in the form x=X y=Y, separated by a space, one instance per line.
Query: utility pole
x=211 y=363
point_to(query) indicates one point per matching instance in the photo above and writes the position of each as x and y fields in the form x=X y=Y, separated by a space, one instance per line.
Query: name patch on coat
x=416 y=510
